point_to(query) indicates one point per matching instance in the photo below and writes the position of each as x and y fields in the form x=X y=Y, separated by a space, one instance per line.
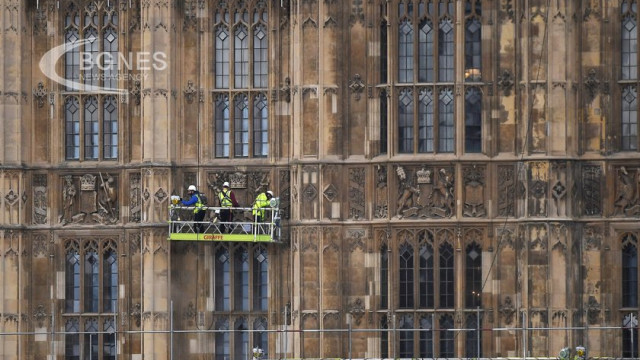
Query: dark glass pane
x=241 y=126
x=445 y=51
x=384 y=281
x=629 y=44
x=426 y=337
x=241 y=340
x=222 y=58
x=473 y=121
x=629 y=121
x=405 y=52
x=222 y=344
x=426 y=276
x=425 y=52
x=260 y=126
x=260 y=57
x=91 y=128
x=222 y=280
x=425 y=121
x=384 y=338
x=241 y=57
x=72 y=128
x=447 y=339
x=222 y=126
x=72 y=282
x=91 y=281
x=473 y=341
x=72 y=341
x=405 y=121
x=406 y=337
x=473 y=50
x=446 y=277
x=629 y=276
x=260 y=279
x=446 y=127
x=473 y=276
x=406 y=276
x=383 y=53
x=110 y=127
x=383 y=122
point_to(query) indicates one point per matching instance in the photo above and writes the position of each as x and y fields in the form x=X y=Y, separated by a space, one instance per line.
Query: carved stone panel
x=356 y=193
x=474 y=194
x=591 y=193
x=625 y=201
x=89 y=199
x=425 y=192
x=40 y=200
x=135 y=197
x=506 y=190
x=538 y=188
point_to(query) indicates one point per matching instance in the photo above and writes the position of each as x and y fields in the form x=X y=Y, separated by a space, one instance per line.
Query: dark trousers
x=226 y=216
x=199 y=216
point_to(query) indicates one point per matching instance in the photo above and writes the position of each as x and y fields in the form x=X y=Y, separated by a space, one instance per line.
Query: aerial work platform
x=243 y=228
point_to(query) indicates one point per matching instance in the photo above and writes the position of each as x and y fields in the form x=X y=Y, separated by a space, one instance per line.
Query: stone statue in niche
x=107 y=196
x=626 y=202
x=68 y=199
x=408 y=195
x=473 y=193
x=441 y=201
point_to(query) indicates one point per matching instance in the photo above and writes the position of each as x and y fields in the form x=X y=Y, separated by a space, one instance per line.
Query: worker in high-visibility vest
x=262 y=202
x=227 y=200
x=198 y=211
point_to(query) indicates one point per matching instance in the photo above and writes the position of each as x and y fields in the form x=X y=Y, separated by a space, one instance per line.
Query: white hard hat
x=226 y=184
x=270 y=192
x=192 y=188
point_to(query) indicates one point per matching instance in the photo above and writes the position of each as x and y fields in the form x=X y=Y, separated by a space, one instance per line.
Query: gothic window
x=426 y=274
x=241 y=339
x=447 y=339
x=426 y=336
x=630 y=336
x=473 y=275
x=384 y=273
x=260 y=335
x=90 y=109
x=384 y=337
x=222 y=343
x=222 y=278
x=473 y=41
x=406 y=276
x=423 y=76
x=239 y=283
x=629 y=75
x=405 y=325
x=241 y=279
x=473 y=121
x=241 y=62
x=384 y=106
x=629 y=271
x=473 y=337
x=446 y=276
x=260 y=279
x=91 y=287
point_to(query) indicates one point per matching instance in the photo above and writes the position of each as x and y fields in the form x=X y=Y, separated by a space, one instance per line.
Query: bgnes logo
x=104 y=61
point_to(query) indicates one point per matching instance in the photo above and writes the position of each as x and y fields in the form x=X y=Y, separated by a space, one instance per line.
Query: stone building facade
x=442 y=165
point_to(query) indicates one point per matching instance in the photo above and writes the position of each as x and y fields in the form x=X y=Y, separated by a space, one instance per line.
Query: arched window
x=447 y=339
x=222 y=280
x=91 y=71
x=629 y=271
x=426 y=275
x=241 y=279
x=241 y=339
x=241 y=49
x=473 y=341
x=406 y=276
x=473 y=121
x=426 y=336
x=405 y=325
x=260 y=279
x=446 y=277
x=473 y=275
x=473 y=41
x=222 y=343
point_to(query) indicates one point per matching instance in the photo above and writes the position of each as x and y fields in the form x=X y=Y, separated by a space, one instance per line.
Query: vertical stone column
x=158 y=26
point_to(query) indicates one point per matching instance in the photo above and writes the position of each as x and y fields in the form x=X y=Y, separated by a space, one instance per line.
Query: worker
x=262 y=202
x=227 y=201
x=198 y=211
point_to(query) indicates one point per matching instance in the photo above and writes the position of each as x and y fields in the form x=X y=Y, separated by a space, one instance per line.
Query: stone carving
x=357 y=12
x=190 y=91
x=506 y=191
x=330 y=192
x=135 y=197
x=100 y=204
x=474 y=192
x=381 y=207
x=40 y=201
x=69 y=193
x=507 y=310
x=433 y=197
x=626 y=189
x=592 y=238
x=356 y=240
x=40 y=245
x=356 y=309
x=356 y=193
x=40 y=315
x=310 y=192
x=285 y=193
x=505 y=82
x=591 y=194
x=40 y=94
x=135 y=91
x=593 y=310
x=538 y=237
x=538 y=184
x=357 y=86
x=591 y=84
